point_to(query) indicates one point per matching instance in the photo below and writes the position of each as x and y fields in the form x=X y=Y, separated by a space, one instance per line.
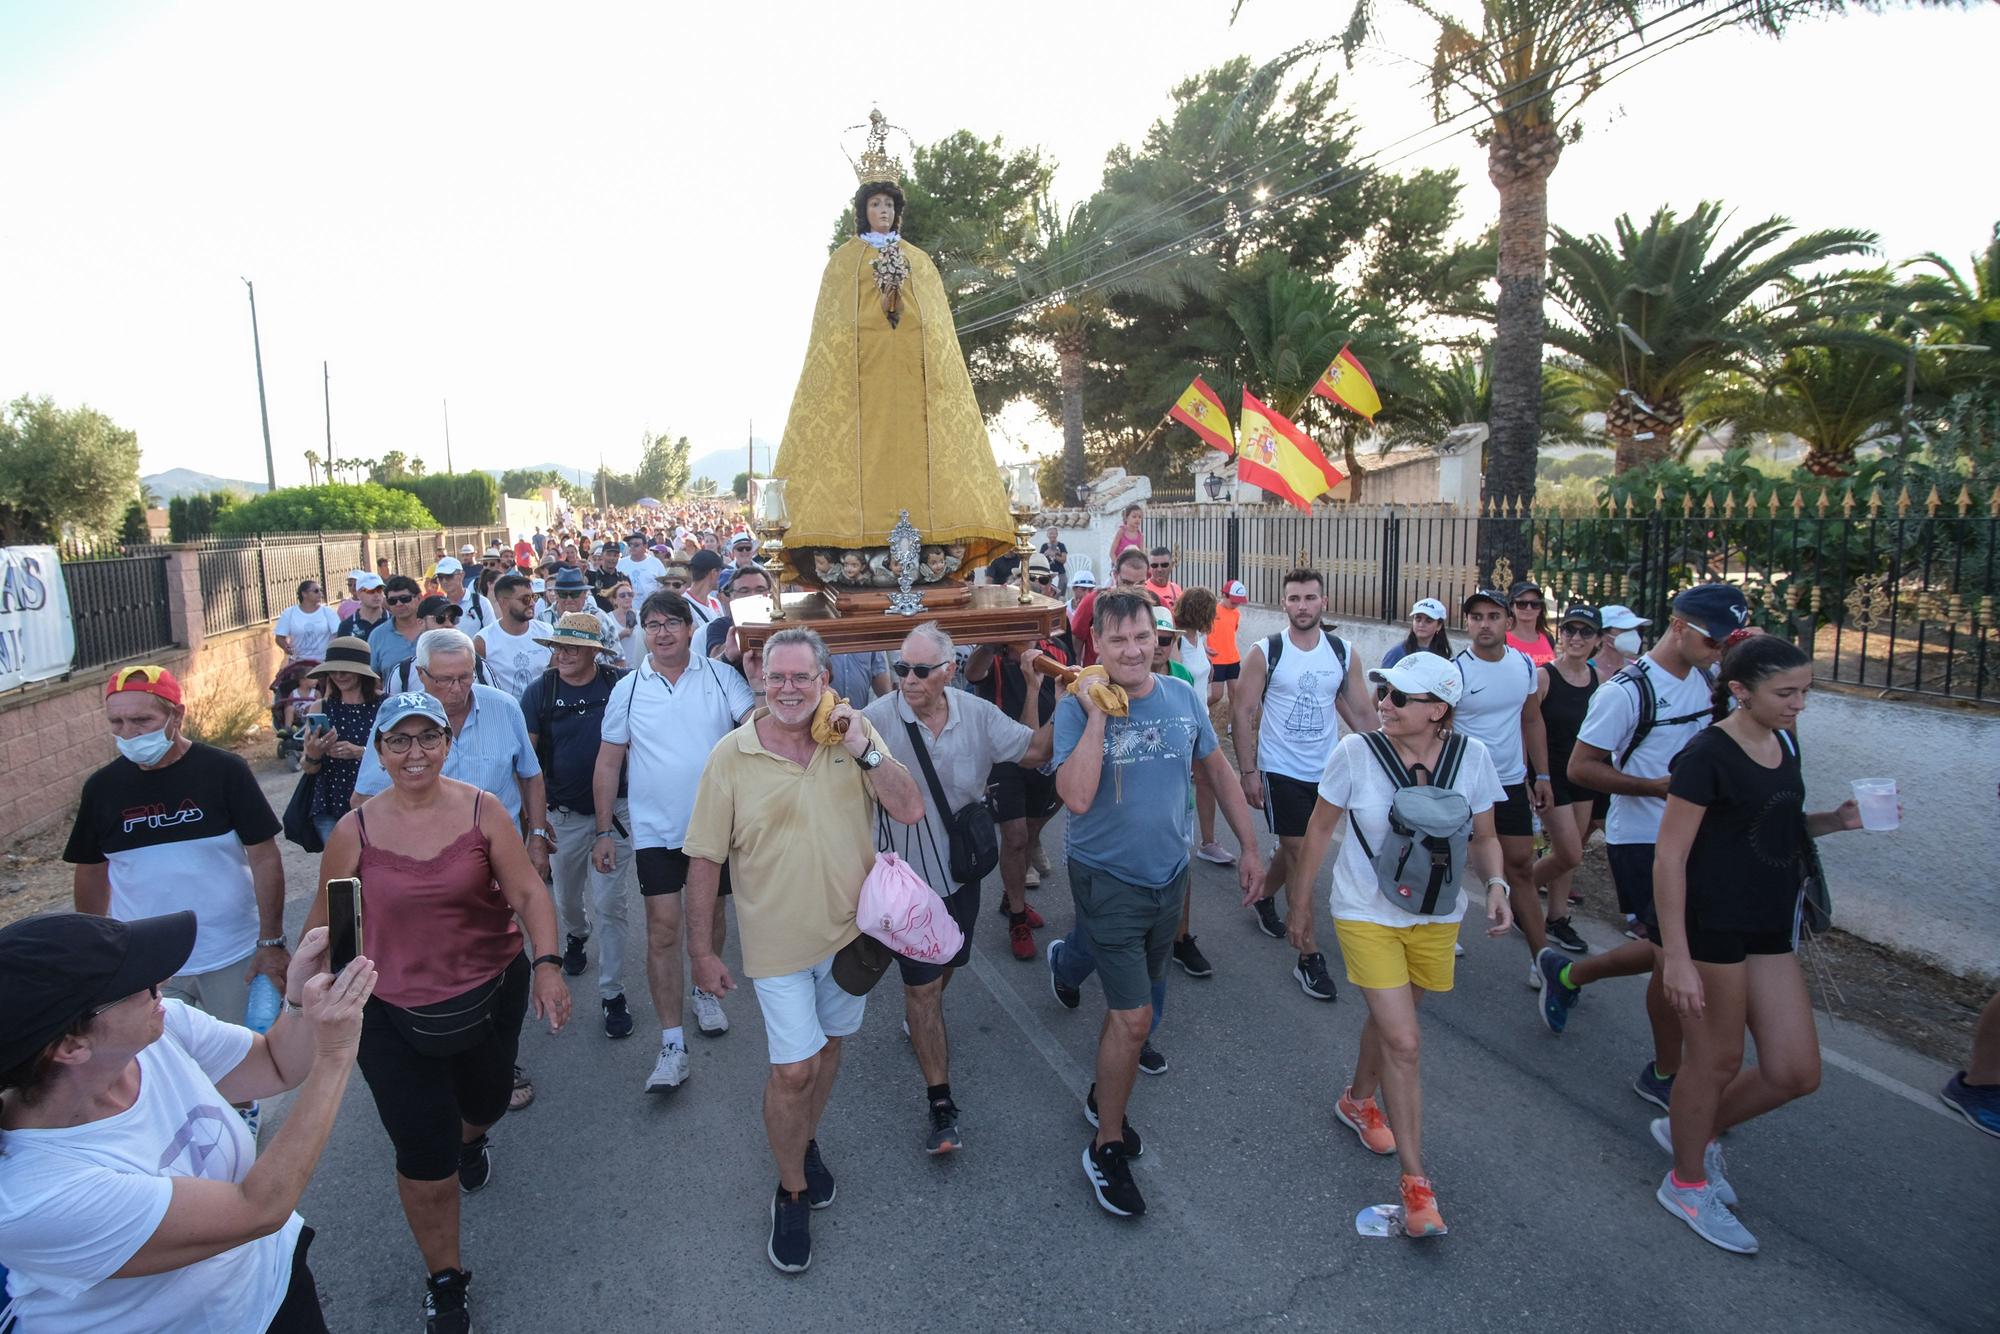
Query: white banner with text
x=37 y=641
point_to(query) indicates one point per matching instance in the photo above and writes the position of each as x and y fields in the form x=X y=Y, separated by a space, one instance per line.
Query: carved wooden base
x=991 y=614
x=874 y=601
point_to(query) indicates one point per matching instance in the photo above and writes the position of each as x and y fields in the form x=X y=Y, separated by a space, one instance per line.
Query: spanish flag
x=1280 y=458
x=1348 y=385
x=1200 y=411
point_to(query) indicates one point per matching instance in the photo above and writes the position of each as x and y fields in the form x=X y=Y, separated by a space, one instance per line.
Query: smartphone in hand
x=343 y=922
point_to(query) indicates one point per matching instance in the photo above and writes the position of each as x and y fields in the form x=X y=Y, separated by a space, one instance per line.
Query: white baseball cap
x=364 y=582
x=1422 y=674
x=1235 y=589
x=468 y=550
x=449 y=565
x=1430 y=607
x=1619 y=617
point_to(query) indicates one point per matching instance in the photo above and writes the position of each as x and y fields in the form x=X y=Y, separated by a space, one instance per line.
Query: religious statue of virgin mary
x=884 y=419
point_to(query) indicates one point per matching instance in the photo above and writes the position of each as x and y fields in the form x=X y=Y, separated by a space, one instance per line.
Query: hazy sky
x=579 y=222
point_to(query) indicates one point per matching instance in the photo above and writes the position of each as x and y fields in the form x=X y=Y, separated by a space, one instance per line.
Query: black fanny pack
x=451 y=1027
x=971 y=830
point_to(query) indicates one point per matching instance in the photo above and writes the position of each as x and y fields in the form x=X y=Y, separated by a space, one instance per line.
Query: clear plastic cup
x=1877 y=799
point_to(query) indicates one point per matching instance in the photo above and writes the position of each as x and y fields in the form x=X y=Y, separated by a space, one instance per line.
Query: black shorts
x=1514 y=817
x=1600 y=806
x=964 y=909
x=300 y=1312
x=665 y=871
x=1632 y=874
x=1712 y=946
x=1022 y=793
x=1288 y=804
x=1219 y=672
x=422 y=1099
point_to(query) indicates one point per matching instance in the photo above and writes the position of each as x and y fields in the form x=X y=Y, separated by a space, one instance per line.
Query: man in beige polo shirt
x=796 y=822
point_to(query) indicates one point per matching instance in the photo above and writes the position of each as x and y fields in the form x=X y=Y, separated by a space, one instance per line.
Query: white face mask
x=1626 y=642
x=146 y=748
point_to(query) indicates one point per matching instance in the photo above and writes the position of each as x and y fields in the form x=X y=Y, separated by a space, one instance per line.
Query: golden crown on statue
x=876 y=162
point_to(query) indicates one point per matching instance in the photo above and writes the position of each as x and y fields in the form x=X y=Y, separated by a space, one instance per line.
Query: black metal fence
x=249 y=580
x=1889 y=595
x=119 y=608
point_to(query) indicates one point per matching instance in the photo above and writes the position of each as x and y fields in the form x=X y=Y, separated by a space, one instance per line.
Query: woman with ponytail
x=1727 y=873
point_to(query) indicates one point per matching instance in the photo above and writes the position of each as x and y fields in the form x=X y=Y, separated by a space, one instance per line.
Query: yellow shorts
x=1385 y=957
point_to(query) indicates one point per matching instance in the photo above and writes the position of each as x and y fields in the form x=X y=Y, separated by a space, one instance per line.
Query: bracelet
x=293 y=1007
x=540 y=833
x=272 y=943
x=604 y=833
x=1541 y=778
x=1498 y=882
x=541 y=959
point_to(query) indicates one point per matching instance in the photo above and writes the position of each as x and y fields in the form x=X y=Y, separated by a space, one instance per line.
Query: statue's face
x=823 y=565
x=935 y=559
x=881 y=213
x=853 y=566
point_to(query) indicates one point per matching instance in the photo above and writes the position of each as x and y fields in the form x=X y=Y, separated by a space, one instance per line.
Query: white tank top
x=1298 y=729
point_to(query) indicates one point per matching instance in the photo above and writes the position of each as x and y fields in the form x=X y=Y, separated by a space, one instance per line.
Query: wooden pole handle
x=1057 y=670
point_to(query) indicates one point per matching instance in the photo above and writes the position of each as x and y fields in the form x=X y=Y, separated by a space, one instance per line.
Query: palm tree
x=416 y=467
x=1436 y=399
x=1841 y=390
x=312 y=468
x=1654 y=316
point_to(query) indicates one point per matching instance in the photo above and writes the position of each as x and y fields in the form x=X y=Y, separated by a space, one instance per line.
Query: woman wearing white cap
x=1427 y=634
x=1619 y=643
x=1392 y=955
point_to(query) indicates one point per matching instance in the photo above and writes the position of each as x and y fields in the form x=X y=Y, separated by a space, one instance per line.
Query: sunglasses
x=400 y=599
x=1577 y=630
x=152 y=990
x=922 y=669
x=1534 y=604
x=1159 y=565
x=1399 y=698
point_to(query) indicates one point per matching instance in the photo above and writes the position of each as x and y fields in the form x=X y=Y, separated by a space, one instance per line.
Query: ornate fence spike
x=1659 y=495
x=1822 y=502
x=1774 y=502
x=1932 y=501
x=1903 y=502
x=1798 y=502
x=1708 y=506
x=1993 y=505
x=1729 y=504
x=1874 y=502
x=1964 y=500
x=1847 y=503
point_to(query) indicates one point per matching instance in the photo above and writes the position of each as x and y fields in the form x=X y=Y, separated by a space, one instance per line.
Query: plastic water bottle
x=262 y=1011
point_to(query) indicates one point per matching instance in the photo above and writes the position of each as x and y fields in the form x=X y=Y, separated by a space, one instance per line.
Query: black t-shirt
x=1057 y=552
x=1744 y=870
x=1006 y=687
x=575 y=717
x=358 y=626
x=601 y=584
x=206 y=793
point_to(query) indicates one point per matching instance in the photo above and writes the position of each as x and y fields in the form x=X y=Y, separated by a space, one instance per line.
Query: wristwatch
x=272 y=943
x=541 y=959
x=871 y=758
x=1497 y=882
x=542 y=834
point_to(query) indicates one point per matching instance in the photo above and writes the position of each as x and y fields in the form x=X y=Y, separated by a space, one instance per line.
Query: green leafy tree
x=456 y=498
x=739 y=486
x=1434 y=398
x=703 y=487
x=1654 y=316
x=663 y=466
x=368 y=507
x=63 y=471
x=393 y=466
x=132 y=530
x=198 y=515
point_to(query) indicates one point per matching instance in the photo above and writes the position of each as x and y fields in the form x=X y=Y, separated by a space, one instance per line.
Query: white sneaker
x=1534 y=976
x=671 y=1070
x=1037 y=858
x=1033 y=878
x=708 y=1013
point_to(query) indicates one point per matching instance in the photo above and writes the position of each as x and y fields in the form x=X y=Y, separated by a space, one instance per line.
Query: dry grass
x=227 y=716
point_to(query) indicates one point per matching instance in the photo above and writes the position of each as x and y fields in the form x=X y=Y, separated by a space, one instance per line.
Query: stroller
x=284 y=690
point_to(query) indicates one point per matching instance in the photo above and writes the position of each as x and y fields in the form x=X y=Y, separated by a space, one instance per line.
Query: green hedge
x=326 y=509
x=458 y=499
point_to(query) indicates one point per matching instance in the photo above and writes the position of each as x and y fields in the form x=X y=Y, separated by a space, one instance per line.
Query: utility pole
x=263 y=408
x=750 y=446
x=447 y=435
x=326 y=389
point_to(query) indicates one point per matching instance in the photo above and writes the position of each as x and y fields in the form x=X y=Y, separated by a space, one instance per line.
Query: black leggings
x=422 y=1099
x=300 y=1313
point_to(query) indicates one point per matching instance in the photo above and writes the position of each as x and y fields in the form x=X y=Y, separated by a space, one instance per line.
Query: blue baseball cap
x=409 y=704
x=1717 y=610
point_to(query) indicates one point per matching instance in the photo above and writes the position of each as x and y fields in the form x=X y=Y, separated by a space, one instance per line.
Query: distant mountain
x=723 y=464
x=177 y=482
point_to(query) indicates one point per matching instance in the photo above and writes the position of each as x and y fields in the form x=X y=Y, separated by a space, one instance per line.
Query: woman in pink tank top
x=444 y=875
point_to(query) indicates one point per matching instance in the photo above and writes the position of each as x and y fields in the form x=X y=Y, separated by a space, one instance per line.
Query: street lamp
x=1215 y=484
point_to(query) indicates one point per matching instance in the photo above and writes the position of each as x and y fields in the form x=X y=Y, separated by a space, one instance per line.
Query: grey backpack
x=1420 y=864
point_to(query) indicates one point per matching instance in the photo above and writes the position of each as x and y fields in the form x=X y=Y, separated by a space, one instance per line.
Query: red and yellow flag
x=1200 y=411
x=1280 y=458
x=1347 y=384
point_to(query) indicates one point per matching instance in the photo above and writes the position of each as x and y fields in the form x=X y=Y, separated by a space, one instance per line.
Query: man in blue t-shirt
x=1126 y=782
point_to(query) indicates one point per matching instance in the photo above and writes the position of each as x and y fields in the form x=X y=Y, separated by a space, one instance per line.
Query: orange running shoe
x=1364 y=1118
x=1420 y=1209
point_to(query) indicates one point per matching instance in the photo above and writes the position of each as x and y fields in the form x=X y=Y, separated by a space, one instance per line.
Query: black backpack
x=1275 y=645
x=1635 y=675
x=545 y=716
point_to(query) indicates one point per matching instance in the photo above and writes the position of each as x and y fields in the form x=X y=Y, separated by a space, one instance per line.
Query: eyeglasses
x=922 y=669
x=795 y=679
x=400 y=599
x=1041 y=578
x=1400 y=699
x=1533 y=604
x=1576 y=630
x=152 y=990
x=309 y=588
x=660 y=627
x=444 y=680
x=399 y=743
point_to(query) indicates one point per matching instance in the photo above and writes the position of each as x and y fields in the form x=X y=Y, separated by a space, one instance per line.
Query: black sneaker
x=1067 y=997
x=617 y=1019
x=574 y=959
x=445 y=1311
x=1564 y=935
x=1312 y=977
x=1151 y=1062
x=1192 y=961
x=475 y=1165
x=791 y=1245
x=1267 y=919
x=1134 y=1147
x=819 y=1181
x=944 y=1137
x=1110 y=1177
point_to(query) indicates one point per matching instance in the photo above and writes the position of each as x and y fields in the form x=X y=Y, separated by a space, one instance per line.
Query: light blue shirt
x=1137 y=827
x=491 y=752
x=387 y=648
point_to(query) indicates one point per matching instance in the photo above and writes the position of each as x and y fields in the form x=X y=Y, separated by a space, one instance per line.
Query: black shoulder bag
x=971 y=831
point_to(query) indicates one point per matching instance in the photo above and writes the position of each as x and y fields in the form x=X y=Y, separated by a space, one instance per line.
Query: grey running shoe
x=1703 y=1210
x=1563 y=932
x=1654 y=1087
x=1712 y=1161
x=944 y=1136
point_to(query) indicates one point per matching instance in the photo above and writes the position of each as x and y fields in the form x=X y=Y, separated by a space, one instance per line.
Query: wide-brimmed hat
x=59 y=966
x=569 y=579
x=576 y=629
x=349 y=653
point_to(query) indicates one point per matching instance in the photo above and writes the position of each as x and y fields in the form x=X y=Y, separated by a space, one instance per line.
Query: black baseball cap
x=56 y=967
x=1492 y=595
x=1582 y=615
x=1717 y=610
x=434 y=605
x=1525 y=586
x=704 y=562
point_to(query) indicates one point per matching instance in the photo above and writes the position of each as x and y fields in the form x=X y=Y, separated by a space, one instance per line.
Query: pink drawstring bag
x=905 y=914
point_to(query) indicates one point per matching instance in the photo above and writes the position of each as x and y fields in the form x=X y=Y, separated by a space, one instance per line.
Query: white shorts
x=803 y=1009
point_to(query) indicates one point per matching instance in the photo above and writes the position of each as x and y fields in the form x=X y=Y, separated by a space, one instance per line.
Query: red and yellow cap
x=147 y=679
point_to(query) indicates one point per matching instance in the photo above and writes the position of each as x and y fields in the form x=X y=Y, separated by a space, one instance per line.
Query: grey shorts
x=220 y=993
x=1129 y=929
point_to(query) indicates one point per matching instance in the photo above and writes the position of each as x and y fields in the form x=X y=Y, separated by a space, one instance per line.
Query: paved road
x=610 y=1210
